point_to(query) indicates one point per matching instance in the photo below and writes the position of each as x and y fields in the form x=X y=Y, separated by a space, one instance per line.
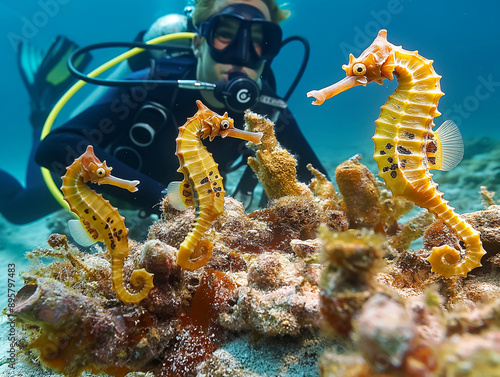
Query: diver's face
x=210 y=70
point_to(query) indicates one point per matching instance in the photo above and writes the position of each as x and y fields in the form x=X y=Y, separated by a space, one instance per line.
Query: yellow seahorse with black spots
x=407 y=147
x=202 y=185
x=101 y=221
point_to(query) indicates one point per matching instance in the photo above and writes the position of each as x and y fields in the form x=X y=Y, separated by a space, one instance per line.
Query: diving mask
x=240 y=35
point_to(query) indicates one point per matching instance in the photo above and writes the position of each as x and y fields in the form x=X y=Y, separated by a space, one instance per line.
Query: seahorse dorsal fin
x=450 y=147
x=79 y=233
x=175 y=194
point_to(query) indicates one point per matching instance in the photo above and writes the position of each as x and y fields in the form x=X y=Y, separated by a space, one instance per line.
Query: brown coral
x=360 y=194
x=297 y=217
x=352 y=258
x=384 y=331
x=323 y=188
x=274 y=166
x=280 y=297
x=71 y=324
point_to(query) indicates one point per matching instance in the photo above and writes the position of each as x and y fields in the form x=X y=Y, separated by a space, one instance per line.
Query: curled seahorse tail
x=141 y=280
x=199 y=257
x=447 y=260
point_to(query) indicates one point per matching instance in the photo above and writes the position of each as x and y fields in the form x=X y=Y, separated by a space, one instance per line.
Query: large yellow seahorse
x=101 y=220
x=406 y=147
x=202 y=184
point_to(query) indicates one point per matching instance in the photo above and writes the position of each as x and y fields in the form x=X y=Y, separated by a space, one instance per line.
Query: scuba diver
x=46 y=77
x=134 y=126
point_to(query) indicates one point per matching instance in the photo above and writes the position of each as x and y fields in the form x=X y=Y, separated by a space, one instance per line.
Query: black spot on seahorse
x=186 y=185
x=217 y=194
x=385 y=169
x=86 y=210
x=94 y=218
x=217 y=189
x=117 y=236
x=215 y=183
x=403 y=163
x=216 y=176
x=432 y=160
x=210 y=172
x=390 y=160
x=394 y=174
x=209 y=191
x=382 y=152
x=388 y=146
x=403 y=150
x=431 y=147
x=393 y=167
x=204 y=180
x=409 y=135
x=186 y=192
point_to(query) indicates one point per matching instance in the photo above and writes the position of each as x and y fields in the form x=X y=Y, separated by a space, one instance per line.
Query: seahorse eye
x=224 y=124
x=100 y=172
x=359 y=69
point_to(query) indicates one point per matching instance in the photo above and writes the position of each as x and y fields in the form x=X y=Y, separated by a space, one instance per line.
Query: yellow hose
x=77 y=86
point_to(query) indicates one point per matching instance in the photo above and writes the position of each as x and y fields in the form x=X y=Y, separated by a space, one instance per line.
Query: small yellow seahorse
x=101 y=220
x=406 y=147
x=202 y=184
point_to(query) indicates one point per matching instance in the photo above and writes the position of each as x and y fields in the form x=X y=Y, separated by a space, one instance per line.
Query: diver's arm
x=291 y=137
x=52 y=156
x=64 y=144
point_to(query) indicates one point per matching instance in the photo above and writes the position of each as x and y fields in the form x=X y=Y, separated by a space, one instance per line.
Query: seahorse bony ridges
x=202 y=185
x=406 y=146
x=102 y=221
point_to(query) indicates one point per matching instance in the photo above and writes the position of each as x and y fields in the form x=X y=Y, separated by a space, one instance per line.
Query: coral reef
x=417 y=338
x=351 y=260
x=280 y=297
x=323 y=188
x=312 y=262
x=71 y=323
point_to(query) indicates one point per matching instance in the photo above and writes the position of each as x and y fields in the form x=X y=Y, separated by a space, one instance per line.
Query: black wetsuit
x=107 y=124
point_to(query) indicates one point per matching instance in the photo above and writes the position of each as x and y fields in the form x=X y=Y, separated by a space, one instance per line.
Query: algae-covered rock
x=352 y=258
x=274 y=166
x=360 y=194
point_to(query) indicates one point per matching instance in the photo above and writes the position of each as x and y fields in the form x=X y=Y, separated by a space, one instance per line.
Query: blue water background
x=461 y=37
